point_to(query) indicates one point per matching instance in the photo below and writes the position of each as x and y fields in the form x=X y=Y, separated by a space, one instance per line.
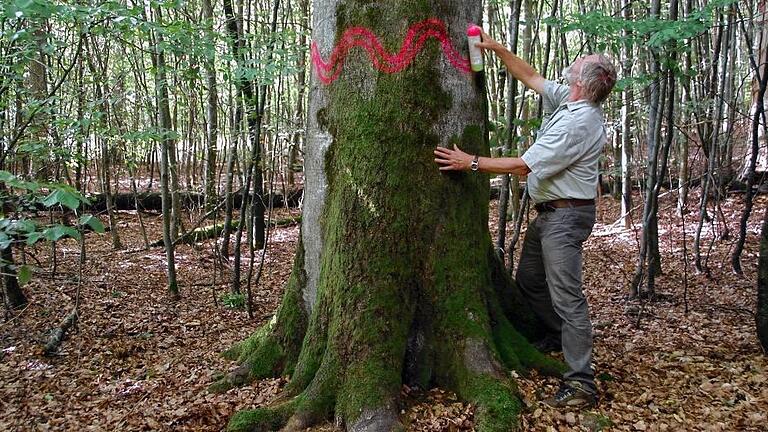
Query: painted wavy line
x=415 y=38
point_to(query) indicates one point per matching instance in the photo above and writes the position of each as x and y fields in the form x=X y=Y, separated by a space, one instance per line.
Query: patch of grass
x=233 y=301
x=605 y=376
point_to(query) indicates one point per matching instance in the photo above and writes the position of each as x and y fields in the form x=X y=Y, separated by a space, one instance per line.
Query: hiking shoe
x=572 y=394
x=548 y=345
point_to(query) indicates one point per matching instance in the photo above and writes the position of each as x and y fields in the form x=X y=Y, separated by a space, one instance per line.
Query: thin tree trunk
x=683 y=152
x=758 y=112
x=626 y=123
x=649 y=236
x=100 y=76
x=301 y=85
x=212 y=119
x=511 y=138
x=231 y=157
x=710 y=149
x=164 y=115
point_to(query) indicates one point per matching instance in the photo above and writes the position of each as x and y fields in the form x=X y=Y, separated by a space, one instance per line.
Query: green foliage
x=607 y=32
x=25 y=197
x=23 y=274
x=91 y=221
x=233 y=301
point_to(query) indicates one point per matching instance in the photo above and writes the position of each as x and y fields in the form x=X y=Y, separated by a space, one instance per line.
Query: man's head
x=593 y=77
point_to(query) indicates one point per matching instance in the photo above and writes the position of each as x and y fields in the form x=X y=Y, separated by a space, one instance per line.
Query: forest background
x=136 y=135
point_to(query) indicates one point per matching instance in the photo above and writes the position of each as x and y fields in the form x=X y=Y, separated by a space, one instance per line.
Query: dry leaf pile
x=139 y=361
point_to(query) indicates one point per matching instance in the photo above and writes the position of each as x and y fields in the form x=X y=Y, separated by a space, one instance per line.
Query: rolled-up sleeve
x=554 y=151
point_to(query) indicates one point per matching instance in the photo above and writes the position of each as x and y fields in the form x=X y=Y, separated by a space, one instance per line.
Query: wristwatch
x=475 y=164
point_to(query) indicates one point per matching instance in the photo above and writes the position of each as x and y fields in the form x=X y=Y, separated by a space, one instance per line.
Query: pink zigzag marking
x=361 y=37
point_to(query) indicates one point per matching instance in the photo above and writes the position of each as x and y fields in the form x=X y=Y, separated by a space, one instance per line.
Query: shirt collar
x=573 y=106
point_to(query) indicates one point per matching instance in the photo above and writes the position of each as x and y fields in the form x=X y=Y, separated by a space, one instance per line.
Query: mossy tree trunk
x=395 y=279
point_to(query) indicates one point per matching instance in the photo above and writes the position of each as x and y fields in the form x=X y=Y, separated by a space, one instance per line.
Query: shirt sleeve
x=554 y=151
x=553 y=95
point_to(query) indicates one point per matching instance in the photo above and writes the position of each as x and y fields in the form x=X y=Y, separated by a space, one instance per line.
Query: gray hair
x=597 y=78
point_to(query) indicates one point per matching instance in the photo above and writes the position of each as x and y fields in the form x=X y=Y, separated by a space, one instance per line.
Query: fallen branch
x=58 y=334
x=213 y=231
x=189 y=200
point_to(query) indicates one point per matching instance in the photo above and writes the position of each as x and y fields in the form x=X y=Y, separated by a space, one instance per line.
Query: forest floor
x=688 y=360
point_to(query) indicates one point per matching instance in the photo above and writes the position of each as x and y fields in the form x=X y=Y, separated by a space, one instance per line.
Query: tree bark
x=14 y=296
x=511 y=138
x=99 y=73
x=410 y=289
x=165 y=126
x=212 y=114
x=760 y=81
x=626 y=123
x=761 y=318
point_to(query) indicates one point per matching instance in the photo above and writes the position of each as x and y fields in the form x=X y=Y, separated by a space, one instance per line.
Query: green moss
x=368 y=385
x=532 y=358
x=396 y=233
x=313 y=348
x=498 y=406
x=262 y=419
x=317 y=402
x=511 y=301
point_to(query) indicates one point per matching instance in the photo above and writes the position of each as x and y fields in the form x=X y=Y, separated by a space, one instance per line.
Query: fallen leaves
x=141 y=362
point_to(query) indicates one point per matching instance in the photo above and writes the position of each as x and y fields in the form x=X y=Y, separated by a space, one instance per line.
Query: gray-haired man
x=562 y=169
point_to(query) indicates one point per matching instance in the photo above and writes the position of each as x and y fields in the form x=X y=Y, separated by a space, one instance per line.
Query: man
x=562 y=169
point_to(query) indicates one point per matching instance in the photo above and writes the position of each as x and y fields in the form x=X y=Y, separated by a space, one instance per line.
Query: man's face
x=574 y=70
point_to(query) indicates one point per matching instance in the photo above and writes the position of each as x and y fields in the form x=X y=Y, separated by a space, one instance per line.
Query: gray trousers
x=549 y=276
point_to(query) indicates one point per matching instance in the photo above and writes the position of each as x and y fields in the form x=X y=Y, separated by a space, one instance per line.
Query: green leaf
x=63 y=197
x=23 y=274
x=56 y=232
x=5 y=240
x=34 y=237
x=92 y=221
x=14 y=182
x=24 y=226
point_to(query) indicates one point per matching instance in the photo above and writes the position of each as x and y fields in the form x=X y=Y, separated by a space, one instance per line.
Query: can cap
x=473 y=30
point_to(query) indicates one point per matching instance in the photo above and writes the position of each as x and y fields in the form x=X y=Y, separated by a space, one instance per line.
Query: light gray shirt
x=564 y=158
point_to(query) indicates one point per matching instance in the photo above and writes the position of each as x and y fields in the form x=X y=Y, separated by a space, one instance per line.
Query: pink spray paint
x=415 y=38
x=474 y=35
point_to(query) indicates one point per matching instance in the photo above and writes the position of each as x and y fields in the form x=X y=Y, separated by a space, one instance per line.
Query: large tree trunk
x=761 y=318
x=396 y=279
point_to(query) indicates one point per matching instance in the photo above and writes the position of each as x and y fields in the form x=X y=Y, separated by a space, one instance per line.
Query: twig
x=21 y=312
x=731 y=309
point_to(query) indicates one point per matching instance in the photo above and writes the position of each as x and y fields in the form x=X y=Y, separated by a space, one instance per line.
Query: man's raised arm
x=516 y=66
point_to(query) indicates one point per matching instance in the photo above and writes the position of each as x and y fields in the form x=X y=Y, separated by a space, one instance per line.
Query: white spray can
x=475 y=53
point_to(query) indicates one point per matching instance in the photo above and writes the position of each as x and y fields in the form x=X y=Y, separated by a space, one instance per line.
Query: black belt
x=550 y=206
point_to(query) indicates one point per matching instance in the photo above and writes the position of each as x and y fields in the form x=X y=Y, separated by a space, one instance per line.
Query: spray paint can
x=475 y=53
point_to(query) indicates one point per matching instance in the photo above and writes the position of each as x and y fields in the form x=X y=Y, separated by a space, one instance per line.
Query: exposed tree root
x=262 y=419
x=497 y=402
x=274 y=349
x=352 y=367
